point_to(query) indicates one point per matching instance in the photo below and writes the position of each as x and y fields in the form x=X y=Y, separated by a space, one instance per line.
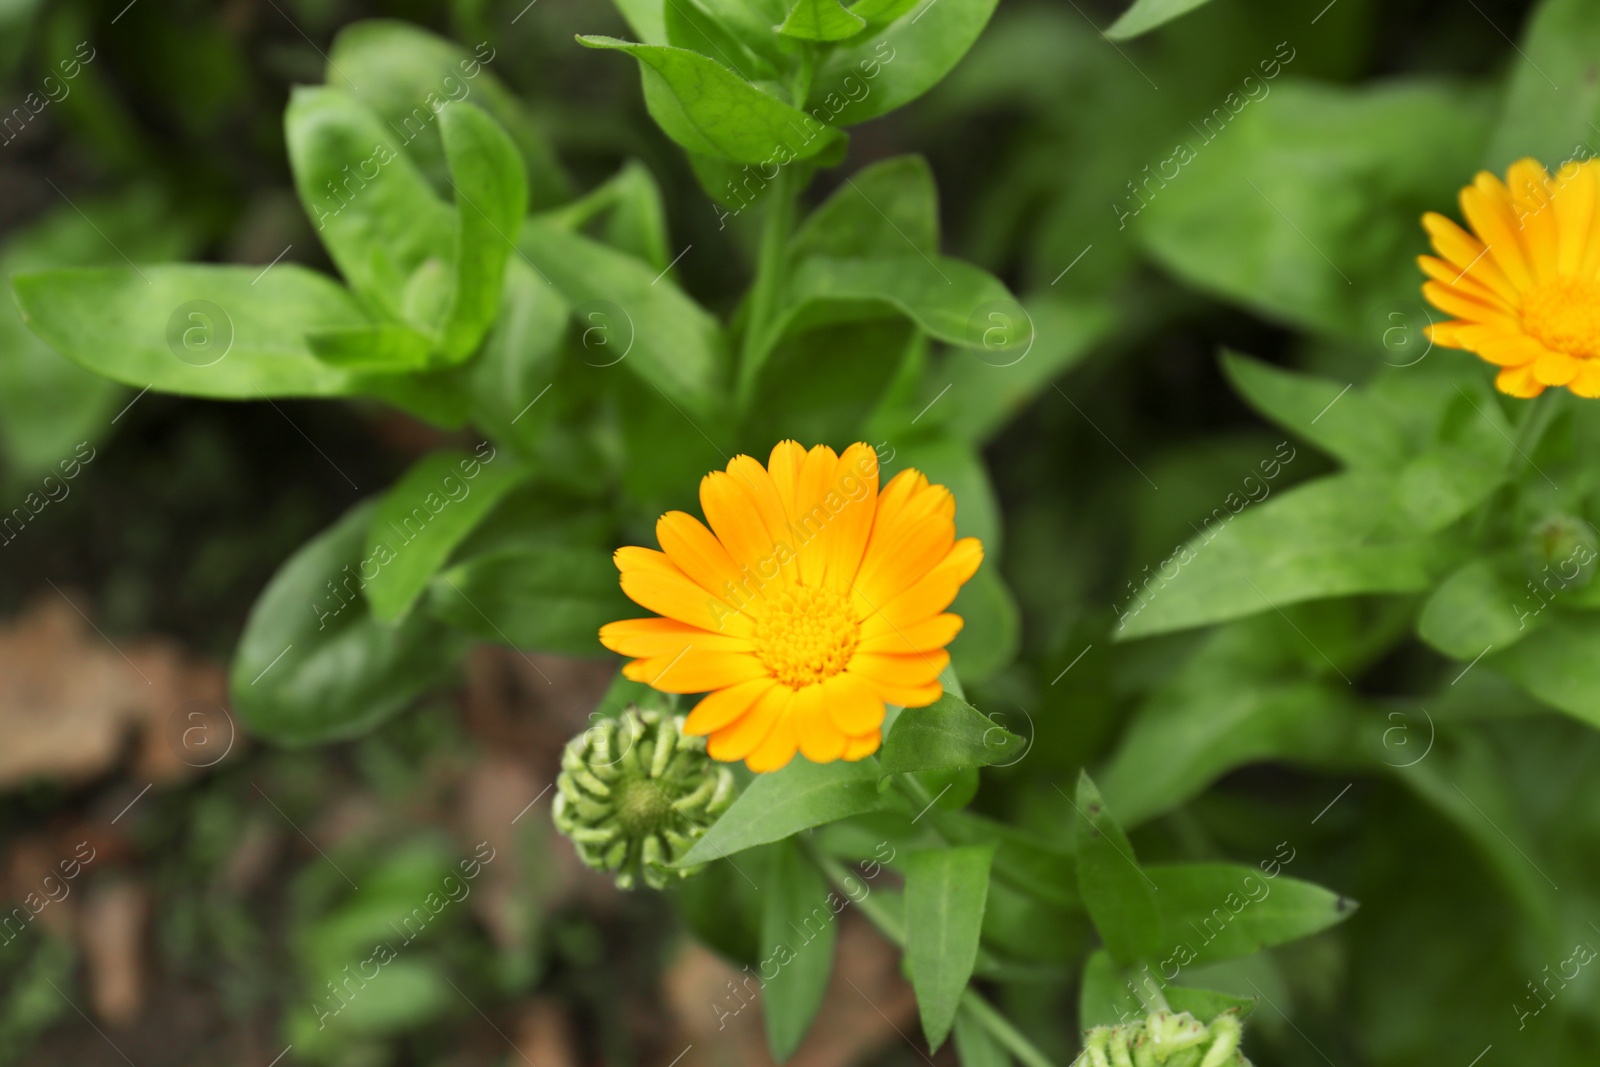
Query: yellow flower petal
x=1523 y=288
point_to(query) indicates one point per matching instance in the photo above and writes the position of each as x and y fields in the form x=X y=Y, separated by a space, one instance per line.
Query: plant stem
x=1531 y=430
x=1001 y=1030
x=775 y=229
x=892 y=926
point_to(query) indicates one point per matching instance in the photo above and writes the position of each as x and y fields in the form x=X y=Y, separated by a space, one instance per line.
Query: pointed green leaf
x=313 y=664
x=1323 y=539
x=798 y=797
x=821 y=20
x=631 y=319
x=1334 y=416
x=422 y=518
x=229 y=332
x=544 y=599
x=383 y=348
x=690 y=26
x=861 y=81
x=1558 y=665
x=946 y=890
x=1553 y=99
x=989 y=389
x=48 y=404
x=491 y=194
x=1302 y=205
x=888 y=208
x=1146 y=15
x=950 y=733
x=1207 y=1004
x=390 y=236
x=709 y=109
x=1221 y=911
x=798 y=930
x=975 y=1046
x=879 y=12
x=410 y=77
x=1104 y=995
x=1480 y=606
x=1120 y=896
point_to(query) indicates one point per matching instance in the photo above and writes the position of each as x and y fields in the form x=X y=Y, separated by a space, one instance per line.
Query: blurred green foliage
x=1279 y=575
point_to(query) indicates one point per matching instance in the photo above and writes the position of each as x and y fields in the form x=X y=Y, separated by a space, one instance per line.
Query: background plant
x=1351 y=667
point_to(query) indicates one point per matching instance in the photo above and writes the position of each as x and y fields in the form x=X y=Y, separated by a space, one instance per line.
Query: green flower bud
x=1166 y=1039
x=1563 y=546
x=635 y=793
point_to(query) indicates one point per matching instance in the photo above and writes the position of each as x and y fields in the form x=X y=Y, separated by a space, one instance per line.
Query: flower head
x=1167 y=1038
x=810 y=602
x=635 y=794
x=1524 y=285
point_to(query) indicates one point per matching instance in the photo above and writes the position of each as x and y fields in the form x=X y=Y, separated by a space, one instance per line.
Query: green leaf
x=424 y=516
x=941 y=295
x=635 y=220
x=1104 y=995
x=1335 y=417
x=1557 y=664
x=378 y=217
x=411 y=77
x=1146 y=15
x=992 y=634
x=798 y=931
x=950 y=733
x=387 y=348
x=1478 y=607
x=1119 y=895
x=944 y=297
x=975 y=1046
x=798 y=385
x=49 y=404
x=491 y=190
x=784 y=802
x=710 y=110
x=228 y=332
x=313 y=664
x=990 y=388
x=878 y=12
x=646 y=18
x=888 y=208
x=1302 y=205
x=548 y=598
x=1314 y=541
x=1186 y=737
x=1221 y=911
x=690 y=26
x=946 y=890
x=1022 y=861
x=1207 y=1004
x=520 y=357
x=898 y=65
x=1553 y=98
x=821 y=20
x=1255 y=690
x=661 y=335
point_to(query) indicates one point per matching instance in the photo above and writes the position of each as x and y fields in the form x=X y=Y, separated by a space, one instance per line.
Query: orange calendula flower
x=1524 y=285
x=811 y=602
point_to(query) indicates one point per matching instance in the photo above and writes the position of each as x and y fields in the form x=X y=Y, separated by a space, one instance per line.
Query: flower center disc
x=1563 y=314
x=806 y=635
x=642 y=807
